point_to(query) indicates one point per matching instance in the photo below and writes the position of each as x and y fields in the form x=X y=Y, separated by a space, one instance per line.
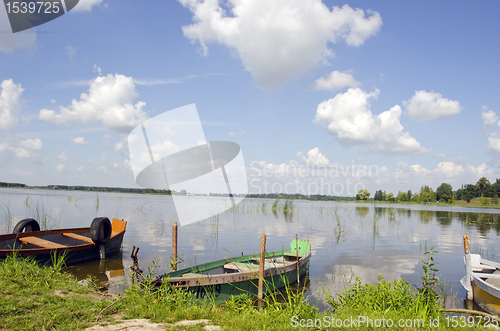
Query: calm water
x=348 y=240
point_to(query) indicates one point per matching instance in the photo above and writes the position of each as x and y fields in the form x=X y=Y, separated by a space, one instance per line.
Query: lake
x=348 y=239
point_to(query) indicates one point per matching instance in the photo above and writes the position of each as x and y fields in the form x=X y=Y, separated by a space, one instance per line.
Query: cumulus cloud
x=348 y=117
x=280 y=39
x=10 y=104
x=335 y=81
x=60 y=167
x=489 y=117
x=10 y=41
x=314 y=157
x=428 y=106
x=32 y=144
x=22 y=149
x=86 y=5
x=490 y=122
x=63 y=157
x=109 y=100
x=79 y=141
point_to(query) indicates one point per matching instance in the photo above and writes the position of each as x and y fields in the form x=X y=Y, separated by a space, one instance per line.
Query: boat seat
x=191 y=274
x=475 y=261
x=78 y=236
x=293 y=254
x=243 y=267
x=41 y=242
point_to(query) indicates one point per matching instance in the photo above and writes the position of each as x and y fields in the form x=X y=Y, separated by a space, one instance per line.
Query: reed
x=8 y=216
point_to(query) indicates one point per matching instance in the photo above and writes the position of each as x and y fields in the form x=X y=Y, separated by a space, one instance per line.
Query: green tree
x=484 y=187
x=409 y=195
x=389 y=197
x=379 y=196
x=444 y=191
x=495 y=188
x=363 y=194
x=402 y=196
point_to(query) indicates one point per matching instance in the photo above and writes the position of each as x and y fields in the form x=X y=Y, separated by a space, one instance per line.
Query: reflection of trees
x=444 y=217
x=401 y=211
x=426 y=215
x=362 y=212
x=481 y=221
x=380 y=211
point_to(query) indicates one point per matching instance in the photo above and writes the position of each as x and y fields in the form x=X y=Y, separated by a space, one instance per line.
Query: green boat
x=220 y=280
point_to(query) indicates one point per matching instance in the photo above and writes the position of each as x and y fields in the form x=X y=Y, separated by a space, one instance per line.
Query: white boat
x=482 y=280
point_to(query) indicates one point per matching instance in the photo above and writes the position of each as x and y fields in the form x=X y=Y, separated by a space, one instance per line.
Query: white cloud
x=86 y=5
x=23 y=149
x=10 y=104
x=490 y=121
x=237 y=134
x=71 y=51
x=109 y=100
x=348 y=117
x=10 y=41
x=494 y=141
x=63 y=157
x=60 y=167
x=79 y=169
x=314 y=157
x=79 y=141
x=32 y=144
x=336 y=80
x=280 y=39
x=489 y=117
x=428 y=106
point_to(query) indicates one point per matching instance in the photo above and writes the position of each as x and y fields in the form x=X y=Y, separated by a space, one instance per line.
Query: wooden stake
x=261 y=266
x=298 y=264
x=174 y=246
x=468 y=269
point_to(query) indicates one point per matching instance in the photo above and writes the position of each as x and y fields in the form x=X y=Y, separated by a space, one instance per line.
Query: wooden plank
x=77 y=236
x=243 y=267
x=41 y=242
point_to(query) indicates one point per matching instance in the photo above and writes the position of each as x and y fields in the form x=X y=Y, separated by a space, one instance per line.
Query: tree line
x=444 y=193
x=90 y=188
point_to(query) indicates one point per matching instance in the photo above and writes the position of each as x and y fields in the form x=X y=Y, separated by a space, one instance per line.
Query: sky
x=323 y=97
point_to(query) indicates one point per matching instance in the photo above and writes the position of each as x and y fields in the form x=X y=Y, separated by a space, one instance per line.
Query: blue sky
x=407 y=90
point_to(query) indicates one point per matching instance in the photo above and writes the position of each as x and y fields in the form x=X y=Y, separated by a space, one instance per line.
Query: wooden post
x=298 y=264
x=102 y=252
x=174 y=246
x=261 y=266
x=468 y=268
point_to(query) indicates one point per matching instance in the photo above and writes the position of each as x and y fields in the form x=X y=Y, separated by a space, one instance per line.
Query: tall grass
x=8 y=216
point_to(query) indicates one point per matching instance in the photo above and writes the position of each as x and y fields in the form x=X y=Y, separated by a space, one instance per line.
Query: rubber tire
x=25 y=223
x=100 y=230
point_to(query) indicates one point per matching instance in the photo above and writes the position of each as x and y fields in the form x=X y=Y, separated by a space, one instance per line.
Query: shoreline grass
x=47 y=298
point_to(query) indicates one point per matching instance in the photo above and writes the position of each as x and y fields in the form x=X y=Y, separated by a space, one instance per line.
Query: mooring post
x=261 y=266
x=174 y=246
x=298 y=264
x=468 y=268
x=102 y=252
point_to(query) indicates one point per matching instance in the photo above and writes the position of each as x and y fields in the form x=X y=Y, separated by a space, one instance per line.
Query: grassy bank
x=46 y=298
x=474 y=203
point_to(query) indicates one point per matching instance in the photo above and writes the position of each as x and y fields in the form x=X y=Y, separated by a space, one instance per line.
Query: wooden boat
x=240 y=275
x=79 y=244
x=482 y=280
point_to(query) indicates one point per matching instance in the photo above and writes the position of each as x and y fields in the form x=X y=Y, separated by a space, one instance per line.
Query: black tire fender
x=100 y=230
x=27 y=225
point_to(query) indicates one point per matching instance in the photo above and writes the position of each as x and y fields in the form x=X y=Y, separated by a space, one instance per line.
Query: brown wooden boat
x=79 y=244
